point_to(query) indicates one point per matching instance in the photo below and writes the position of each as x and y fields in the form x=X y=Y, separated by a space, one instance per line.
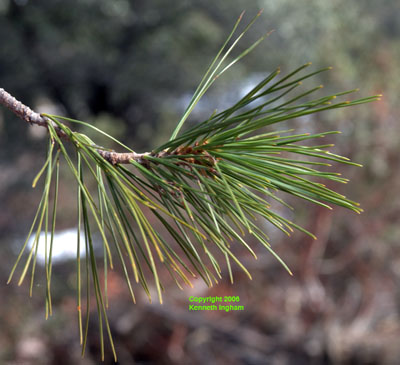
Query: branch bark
x=25 y=113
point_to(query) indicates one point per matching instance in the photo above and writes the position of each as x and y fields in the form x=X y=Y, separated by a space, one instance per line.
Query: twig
x=24 y=112
x=122 y=158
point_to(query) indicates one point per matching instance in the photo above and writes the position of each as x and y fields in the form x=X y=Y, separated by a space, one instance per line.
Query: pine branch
x=24 y=112
x=205 y=186
x=27 y=114
x=32 y=117
x=20 y=110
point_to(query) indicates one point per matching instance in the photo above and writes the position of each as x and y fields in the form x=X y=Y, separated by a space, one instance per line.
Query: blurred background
x=129 y=68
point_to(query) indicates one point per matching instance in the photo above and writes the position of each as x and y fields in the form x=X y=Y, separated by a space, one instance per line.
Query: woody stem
x=25 y=113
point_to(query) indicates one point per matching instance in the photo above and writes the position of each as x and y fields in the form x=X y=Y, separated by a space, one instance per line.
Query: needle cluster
x=193 y=200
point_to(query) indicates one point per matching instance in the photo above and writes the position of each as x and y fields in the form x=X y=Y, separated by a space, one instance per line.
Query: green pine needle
x=205 y=187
